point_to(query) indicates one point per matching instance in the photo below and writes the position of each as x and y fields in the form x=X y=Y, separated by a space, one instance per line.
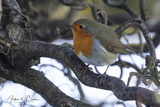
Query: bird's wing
x=112 y=42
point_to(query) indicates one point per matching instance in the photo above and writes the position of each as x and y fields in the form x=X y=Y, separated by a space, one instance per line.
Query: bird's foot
x=84 y=70
x=102 y=77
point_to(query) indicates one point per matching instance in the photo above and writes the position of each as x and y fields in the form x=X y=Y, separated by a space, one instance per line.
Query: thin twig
x=143 y=9
x=122 y=5
x=141 y=45
x=80 y=5
x=5 y=43
x=127 y=64
x=139 y=22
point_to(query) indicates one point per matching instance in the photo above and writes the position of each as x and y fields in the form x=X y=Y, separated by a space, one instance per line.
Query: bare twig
x=138 y=22
x=127 y=64
x=76 y=82
x=80 y=5
x=141 y=45
x=122 y=5
x=143 y=9
x=5 y=43
x=0 y=10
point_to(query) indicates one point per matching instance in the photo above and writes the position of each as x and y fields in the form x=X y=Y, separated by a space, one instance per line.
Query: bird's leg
x=84 y=70
x=103 y=75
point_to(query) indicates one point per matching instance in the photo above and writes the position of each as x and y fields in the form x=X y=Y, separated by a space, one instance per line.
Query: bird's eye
x=80 y=26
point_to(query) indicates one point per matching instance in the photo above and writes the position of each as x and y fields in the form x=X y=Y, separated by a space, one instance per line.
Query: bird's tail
x=131 y=50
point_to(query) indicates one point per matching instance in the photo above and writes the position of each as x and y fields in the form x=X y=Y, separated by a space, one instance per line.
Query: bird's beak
x=70 y=26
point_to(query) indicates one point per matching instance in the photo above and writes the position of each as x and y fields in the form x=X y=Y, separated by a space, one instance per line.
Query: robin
x=96 y=43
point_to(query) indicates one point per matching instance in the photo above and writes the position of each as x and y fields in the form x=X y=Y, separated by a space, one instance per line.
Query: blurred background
x=48 y=18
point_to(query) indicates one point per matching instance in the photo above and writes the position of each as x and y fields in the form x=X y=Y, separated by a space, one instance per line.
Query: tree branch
x=143 y=9
x=67 y=56
x=13 y=20
x=36 y=81
x=122 y=5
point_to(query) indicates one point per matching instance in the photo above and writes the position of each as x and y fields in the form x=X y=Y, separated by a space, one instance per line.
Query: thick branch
x=39 y=83
x=67 y=56
x=13 y=20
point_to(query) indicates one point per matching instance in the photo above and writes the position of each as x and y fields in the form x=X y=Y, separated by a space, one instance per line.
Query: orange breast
x=82 y=43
